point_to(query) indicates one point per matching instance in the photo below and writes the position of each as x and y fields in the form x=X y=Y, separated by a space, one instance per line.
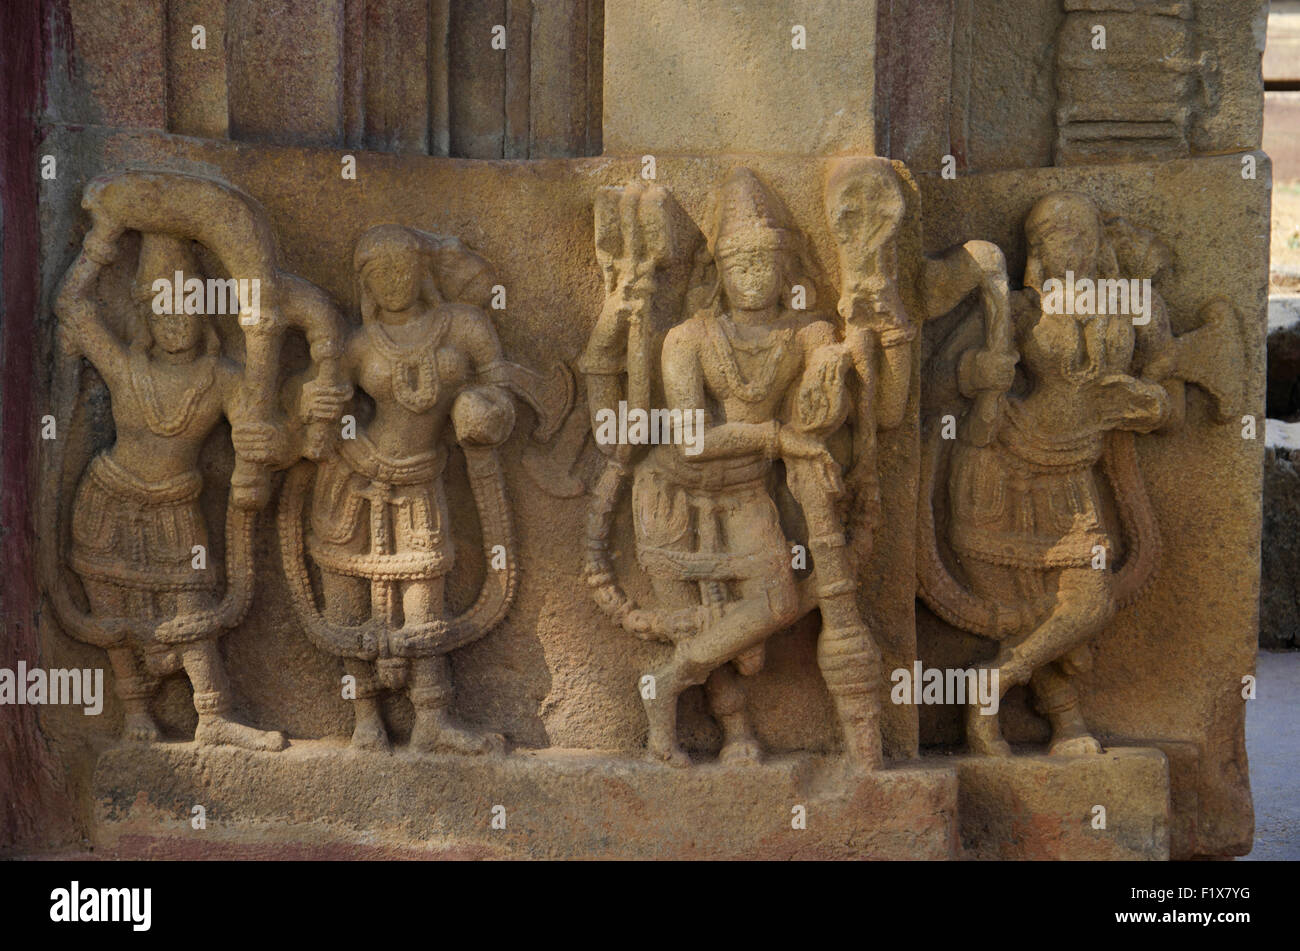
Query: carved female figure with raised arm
x=1026 y=518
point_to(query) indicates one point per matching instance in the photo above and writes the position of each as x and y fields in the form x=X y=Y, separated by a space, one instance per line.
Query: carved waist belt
x=136 y=534
x=364 y=458
x=113 y=477
x=714 y=475
x=1031 y=453
x=407 y=538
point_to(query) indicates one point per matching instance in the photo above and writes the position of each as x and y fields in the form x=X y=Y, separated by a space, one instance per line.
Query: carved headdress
x=746 y=214
x=450 y=270
x=1061 y=213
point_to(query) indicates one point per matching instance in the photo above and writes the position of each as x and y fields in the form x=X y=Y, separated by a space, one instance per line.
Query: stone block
x=1044 y=807
x=320 y=799
x=684 y=76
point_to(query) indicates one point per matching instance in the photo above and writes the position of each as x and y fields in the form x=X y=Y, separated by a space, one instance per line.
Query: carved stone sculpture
x=139 y=542
x=427 y=356
x=771 y=382
x=1055 y=399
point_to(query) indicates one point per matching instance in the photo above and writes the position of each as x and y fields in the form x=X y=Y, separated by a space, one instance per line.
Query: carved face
x=175 y=333
x=393 y=279
x=752 y=278
x=162 y=258
x=1071 y=245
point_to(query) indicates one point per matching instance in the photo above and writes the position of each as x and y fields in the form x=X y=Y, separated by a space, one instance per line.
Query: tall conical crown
x=747 y=215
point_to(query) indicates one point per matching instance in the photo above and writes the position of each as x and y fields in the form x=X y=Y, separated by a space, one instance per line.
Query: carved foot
x=984 y=733
x=369 y=733
x=661 y=742
x=669 y=753
x=140 y=728
x=744 y=751
x=1085 y=745
x=219 y=730
x=436 y=732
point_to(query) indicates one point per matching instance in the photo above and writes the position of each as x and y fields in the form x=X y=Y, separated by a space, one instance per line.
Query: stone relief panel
x=642 y=481
x=1177 y=509
x=428 y=360
x=738 y=563
x=776 y=379
x=1130 y=80
x=139 y=543
x=337 y=531
x=1059 y=385
x=494 y=79
x=998 y=85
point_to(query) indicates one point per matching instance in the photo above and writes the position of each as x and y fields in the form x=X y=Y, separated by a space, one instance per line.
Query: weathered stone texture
x=557 y=804
x=763 y=155
x=1042 y=808
x=725 y=78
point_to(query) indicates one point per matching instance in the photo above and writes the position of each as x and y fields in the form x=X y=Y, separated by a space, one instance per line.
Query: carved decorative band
x=365 y=459
x=706 y=565
x=1018 y=550
x=402 y=566
x=116 y=480
x=715 y=476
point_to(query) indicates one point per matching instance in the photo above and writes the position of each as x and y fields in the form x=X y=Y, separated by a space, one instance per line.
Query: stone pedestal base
x=320 y=799
x=1043 y=807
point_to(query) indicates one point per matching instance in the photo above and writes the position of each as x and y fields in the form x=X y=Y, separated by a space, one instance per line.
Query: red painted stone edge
x=35 y=810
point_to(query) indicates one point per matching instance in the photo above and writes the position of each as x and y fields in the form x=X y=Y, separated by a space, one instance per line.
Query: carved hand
x=100 y=244
x=987 y=371
x=260 y=442
x=795 y=444
x=323 y=402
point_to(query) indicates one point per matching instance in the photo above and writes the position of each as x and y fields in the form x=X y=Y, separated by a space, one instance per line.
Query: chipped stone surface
x=1044 y=807
x=556 y=804
x=464 y=593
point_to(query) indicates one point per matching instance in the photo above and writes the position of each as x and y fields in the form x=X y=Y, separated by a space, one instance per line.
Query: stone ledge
x=319 y=799
x=1041 y=807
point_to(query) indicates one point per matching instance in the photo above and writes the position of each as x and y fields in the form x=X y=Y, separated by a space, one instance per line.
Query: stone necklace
x=146 y=395
x=725 y=340
x=413 y=367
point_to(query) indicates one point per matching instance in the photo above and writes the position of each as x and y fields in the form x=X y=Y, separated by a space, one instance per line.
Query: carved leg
x=1058 y=699
x=727 y=700
x=1085 y=604
x=984 y=730
x=984 y=733
x=430 y=687
x=346 y=600
x=661 y=708
x=436 y=730
x=132 y=681
x=212 y=701
x=850 y=664
x=135 y=688
x=368 y=730
x=766 y=605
